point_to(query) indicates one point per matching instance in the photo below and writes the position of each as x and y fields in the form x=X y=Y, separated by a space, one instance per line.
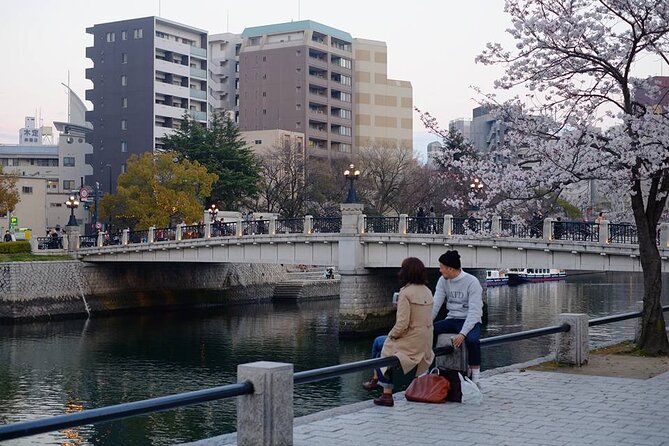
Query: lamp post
x=72 y=203
x=351 y=175
x=213 y=211
x=476 y=187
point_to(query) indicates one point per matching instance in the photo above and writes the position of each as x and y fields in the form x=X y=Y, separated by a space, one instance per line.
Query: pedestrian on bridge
x=463 y=296
x=410 y=339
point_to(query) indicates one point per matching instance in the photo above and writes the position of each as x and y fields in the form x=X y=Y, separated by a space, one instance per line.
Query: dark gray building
x=147 y=73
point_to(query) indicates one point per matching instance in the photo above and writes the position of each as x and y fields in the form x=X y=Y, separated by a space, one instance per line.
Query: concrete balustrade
x=179 y=232
x=151 y=237
x=448 y=225
x=125 y=236
x=572 y=347
x=403 y=224
x=272 y=224
x=604 y=232
x=308 y=224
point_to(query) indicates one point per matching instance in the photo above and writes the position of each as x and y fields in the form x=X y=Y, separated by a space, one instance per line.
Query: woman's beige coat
x=411 y=337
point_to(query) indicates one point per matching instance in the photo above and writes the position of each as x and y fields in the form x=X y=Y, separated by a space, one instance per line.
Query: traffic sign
x=83 y=193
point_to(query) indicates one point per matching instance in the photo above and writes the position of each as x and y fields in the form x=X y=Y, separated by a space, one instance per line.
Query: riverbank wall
x=30 y=290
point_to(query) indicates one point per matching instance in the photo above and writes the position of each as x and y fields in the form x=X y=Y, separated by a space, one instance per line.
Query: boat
x=517 y=276
x=495 y=277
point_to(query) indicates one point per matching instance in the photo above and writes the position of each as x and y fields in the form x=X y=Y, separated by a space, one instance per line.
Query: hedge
x=14 y=247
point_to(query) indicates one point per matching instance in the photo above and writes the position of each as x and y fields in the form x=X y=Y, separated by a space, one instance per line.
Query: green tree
x=9 y=195
x=221 y=149
x=157 y=190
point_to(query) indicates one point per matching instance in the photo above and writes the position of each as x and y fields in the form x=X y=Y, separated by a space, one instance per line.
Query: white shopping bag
x=470 y=391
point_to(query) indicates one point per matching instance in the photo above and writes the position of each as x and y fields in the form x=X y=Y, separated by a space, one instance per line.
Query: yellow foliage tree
x=157 y=190
x=9 y=195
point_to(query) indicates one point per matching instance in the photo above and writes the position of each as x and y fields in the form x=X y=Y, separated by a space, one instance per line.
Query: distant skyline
x=431 y=43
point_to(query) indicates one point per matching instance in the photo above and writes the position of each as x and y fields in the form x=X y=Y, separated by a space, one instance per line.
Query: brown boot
x=372 y=384
x=385 y=399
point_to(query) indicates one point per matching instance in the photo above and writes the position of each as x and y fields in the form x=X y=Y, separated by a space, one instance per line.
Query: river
x=56 y=367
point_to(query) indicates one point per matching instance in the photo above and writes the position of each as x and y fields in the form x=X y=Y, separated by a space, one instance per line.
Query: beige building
x=262 y=141
x=383 y=107
x=31 y=208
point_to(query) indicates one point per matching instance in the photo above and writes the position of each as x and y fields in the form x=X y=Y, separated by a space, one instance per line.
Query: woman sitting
x=410 y=339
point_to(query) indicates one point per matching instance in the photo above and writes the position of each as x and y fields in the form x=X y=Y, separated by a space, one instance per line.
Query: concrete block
x=266 y=416
x=455 y=361
x=572 y=346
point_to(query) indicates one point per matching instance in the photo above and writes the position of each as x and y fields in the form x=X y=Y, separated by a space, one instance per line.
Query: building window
x=124 y=80
x=124 y=124
x=264 y=58
x=68 y=161
x=68 y=185
x=137 y=34
x=124 y=102
x=258 y=141
x=27 y=190
x=264 y=111
x=124 y=168
x=56 y=205
x=264 y=94
x=124 y=57
x=124 y=35
x=111 y=37
x=124 y=146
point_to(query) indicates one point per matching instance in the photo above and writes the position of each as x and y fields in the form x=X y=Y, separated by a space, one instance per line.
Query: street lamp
x=72 y=203
x=476 y=185
x=351 y=175
x=213 y=211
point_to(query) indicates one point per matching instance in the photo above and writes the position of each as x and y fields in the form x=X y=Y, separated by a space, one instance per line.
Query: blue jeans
x=471 y=340
x=377 y=346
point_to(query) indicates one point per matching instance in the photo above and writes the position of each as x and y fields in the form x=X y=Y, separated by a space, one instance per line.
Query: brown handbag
x=428 y=388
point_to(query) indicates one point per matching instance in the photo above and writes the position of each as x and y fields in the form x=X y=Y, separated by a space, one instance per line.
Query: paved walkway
x=519 y=408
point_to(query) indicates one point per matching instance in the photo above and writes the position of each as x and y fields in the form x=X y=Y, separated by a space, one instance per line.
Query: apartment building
x=224 y=74
x=147 y=73
x=383 y=107
x=298 y=76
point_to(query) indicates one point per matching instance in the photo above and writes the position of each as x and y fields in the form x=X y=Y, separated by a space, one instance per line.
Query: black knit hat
x=451 y=258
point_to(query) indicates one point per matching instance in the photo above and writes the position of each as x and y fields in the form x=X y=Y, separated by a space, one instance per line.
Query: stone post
x=272 y=224
x=125 y=236
x=308 y=223
x=548 y=229
x=496 y=225
x=604 y=232
x=403 y=224
x=664 y=235
x=207 y=229
x=350 y=214
x=179 y=232
x=455 y=361
x=362 y=219
x=448 y=225
x=572 y=347
x=240 y=229
x=72 y=238
x=151 y=237
x=101 y=239
x=265 y=417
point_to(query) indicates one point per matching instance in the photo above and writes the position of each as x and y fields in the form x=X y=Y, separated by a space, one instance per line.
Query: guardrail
x=270 y=378
x=44 y=243
x=383 y=225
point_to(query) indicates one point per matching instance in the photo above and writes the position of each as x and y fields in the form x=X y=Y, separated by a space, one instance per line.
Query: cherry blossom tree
x=579 y=116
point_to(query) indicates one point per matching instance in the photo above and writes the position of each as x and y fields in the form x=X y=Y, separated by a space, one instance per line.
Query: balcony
x=171 y=89
x=198 y=94
x=198 y=115
x=168 y=111
x=199 y=73
x=199 y=52
x=171 y=67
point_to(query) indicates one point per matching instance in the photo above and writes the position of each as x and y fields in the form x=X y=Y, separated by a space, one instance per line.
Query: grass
x=28 y=257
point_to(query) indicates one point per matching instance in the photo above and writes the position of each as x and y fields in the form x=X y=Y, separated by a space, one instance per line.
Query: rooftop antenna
x=69 y=115
x=227 y=20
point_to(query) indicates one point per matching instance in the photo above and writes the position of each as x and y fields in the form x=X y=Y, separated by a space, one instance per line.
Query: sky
x=431 y=43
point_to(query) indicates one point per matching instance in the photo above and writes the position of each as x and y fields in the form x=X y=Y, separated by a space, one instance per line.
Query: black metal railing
x=164 y=234
x=577 y=231
x=119 y=411
x=192 y=232
x=383 y=225
x=326 y=224
x=623 y=233
x=44 y=243
x=88 y=241
x=290 y=226
x=425 y=225
x=226 y=229
x=509 y=228
x=138 y=236
x=255 y=227
x=471 y=225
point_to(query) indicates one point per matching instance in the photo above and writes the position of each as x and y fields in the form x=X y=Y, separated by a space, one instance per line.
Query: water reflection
x=50 y=368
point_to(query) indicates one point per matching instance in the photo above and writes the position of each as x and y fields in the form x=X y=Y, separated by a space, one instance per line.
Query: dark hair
x=601 y=214
x=413 y=272
x=450 y=259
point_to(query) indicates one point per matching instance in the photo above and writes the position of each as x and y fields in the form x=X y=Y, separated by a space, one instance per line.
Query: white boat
x=523 y=275
x=495 y=277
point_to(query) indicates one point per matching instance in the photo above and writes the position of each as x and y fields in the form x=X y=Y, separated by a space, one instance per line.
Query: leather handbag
x=428 y=388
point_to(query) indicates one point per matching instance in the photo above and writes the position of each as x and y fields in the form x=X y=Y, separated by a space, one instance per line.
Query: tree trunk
x=653 y=338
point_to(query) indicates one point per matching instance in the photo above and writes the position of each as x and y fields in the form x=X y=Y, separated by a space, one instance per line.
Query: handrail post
x=240 y=229
x=403 y=224
x=101 y=239
x=308 y=223
x=448 y=225
x=265 y=417
x=272 y=224
x=604 y=232
x=179 y=232
x=496 y=226
x=548 y=229
x=125 y=236
x=207 y=229
x=361 y=223
x=572 y=347
x=151 y=236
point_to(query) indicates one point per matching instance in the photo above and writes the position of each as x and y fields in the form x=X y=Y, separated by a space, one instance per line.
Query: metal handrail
x=119 y=411
x=619 y=317
x=528 y=334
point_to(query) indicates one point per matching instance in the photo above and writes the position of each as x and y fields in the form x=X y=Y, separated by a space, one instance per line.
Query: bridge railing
x=264 y=401
x=255 y=227
x=575 y=231
x=192 y=232
x=425 y=225
x=326 y=224
x=88 y=241
x=164 y=234
x=382 y=225
x=510 y=228
x=623 y=233
x=139 y=236
x=44 y=243
x=469 y=225
x=290 y=226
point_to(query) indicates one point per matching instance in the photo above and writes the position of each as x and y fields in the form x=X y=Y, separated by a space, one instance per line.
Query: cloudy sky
x=431 y=43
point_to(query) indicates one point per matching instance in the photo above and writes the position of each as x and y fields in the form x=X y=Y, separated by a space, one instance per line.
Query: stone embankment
x=61 y=288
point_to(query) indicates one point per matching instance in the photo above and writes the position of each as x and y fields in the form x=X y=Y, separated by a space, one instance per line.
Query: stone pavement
x=519 y=408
